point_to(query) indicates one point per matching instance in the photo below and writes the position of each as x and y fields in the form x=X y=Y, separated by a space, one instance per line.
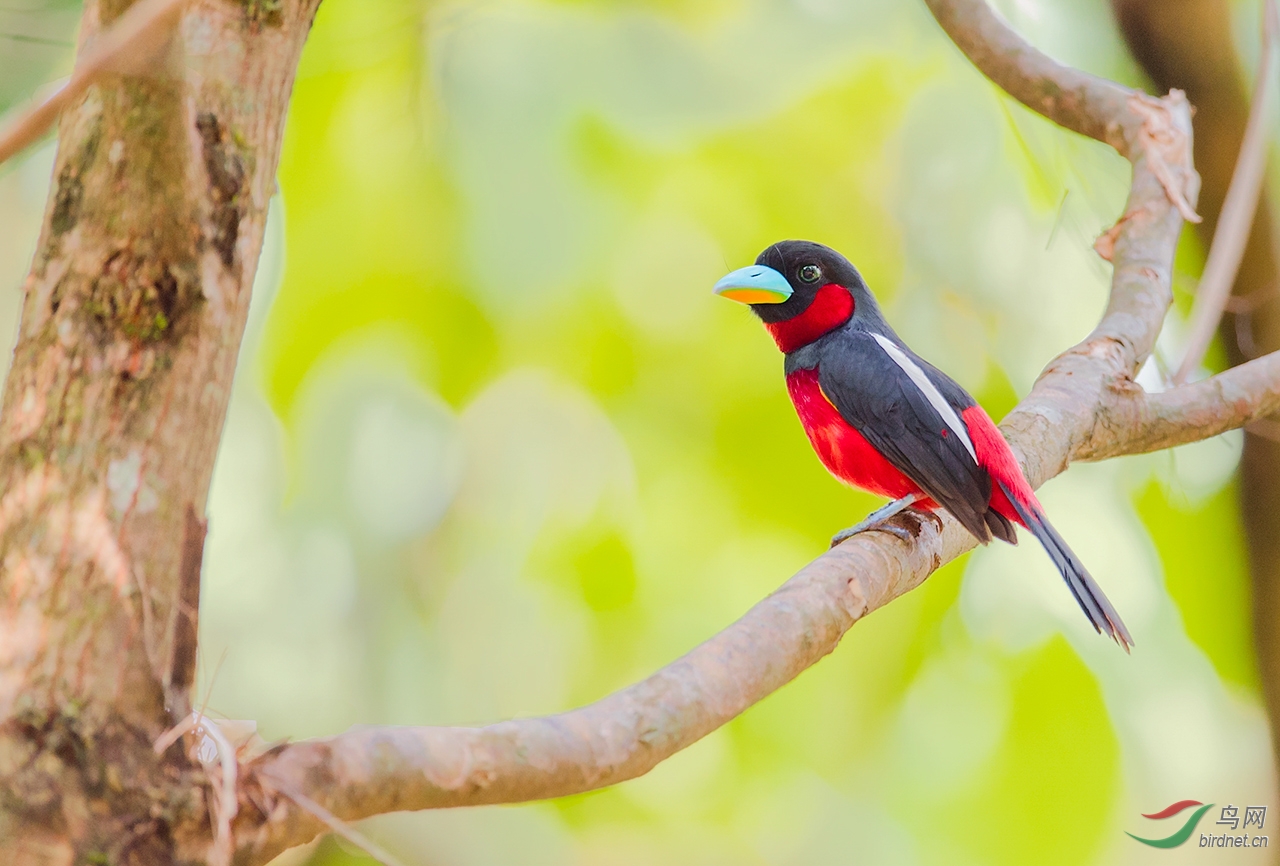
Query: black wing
x=877 y=397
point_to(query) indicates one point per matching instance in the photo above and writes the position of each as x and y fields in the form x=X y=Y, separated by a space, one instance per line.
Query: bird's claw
x=873 y=526
x=880 y=520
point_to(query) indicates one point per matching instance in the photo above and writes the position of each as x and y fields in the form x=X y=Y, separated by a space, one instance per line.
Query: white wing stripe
x=930 y=391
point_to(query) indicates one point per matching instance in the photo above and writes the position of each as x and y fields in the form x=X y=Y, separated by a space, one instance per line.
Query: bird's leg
x=877 y=518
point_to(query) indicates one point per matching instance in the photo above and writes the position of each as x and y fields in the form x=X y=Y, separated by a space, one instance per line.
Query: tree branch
x=367 y=771
x=1083 y=103
x=371 y=770
x=1141 y=423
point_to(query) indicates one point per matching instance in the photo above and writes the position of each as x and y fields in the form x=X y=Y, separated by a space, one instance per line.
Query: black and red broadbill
x=883 y=419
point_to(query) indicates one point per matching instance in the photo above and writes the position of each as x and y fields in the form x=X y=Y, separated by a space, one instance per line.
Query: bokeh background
x=495 y=450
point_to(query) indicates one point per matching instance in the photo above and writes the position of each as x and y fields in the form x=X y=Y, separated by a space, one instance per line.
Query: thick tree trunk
x=1188 y=44
x=112 y=412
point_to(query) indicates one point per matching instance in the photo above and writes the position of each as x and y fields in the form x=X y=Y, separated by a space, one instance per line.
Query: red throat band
x=831 y=308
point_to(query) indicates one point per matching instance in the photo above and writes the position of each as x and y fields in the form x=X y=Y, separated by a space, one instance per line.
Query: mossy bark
x=111 y=416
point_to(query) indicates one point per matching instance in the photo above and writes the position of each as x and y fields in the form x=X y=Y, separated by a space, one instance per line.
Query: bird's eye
x=810 y=274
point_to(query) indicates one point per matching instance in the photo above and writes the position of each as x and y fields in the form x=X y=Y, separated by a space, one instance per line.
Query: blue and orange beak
x=754 y=284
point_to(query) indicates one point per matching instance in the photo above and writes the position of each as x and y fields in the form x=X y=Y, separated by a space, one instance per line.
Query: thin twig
x=336 y=824
x=169 y=737
x=139 y=33
x=1238 y=209
x=36 y=40
x=228 y=804
x=223 y=844
x=1244 y=304
x=208 y=692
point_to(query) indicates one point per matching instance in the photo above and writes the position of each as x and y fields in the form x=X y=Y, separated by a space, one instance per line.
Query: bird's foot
x=872 y=525
x=878 y=520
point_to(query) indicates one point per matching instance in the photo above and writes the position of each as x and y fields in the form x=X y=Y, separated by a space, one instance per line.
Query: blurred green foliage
x=496 y=450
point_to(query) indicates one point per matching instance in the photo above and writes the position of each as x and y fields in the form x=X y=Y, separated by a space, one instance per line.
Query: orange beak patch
x=745 y=295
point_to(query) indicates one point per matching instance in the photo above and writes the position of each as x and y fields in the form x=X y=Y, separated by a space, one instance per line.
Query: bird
x=883 y=419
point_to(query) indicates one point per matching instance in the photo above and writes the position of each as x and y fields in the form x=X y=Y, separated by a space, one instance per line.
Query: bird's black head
x=806 y=284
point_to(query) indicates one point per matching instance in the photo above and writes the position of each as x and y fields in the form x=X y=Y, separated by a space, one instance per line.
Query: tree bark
x=111 y=416
x=1188 y=44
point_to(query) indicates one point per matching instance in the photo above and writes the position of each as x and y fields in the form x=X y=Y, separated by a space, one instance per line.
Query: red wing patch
x=997 y=458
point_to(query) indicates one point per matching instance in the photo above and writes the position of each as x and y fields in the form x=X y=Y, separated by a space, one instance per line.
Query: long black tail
x=1092 y=600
